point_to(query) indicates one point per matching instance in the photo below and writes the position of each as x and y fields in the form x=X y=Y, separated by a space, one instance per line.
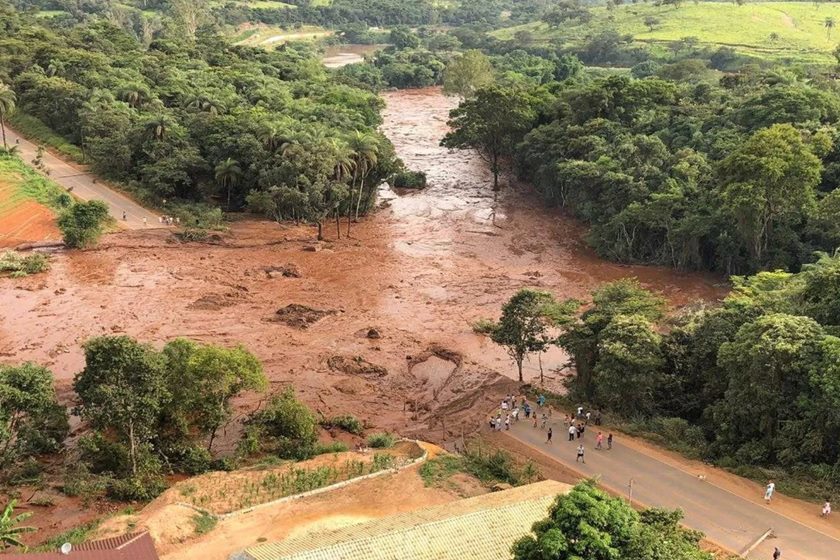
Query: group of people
x=169 y=220
x=512 y=407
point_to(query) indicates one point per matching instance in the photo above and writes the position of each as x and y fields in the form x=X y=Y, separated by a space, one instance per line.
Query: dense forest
x=188 y=116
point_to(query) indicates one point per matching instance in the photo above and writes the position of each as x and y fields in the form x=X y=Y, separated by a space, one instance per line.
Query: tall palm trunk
x=349 y=208
x=3 y=128
x=359 y=201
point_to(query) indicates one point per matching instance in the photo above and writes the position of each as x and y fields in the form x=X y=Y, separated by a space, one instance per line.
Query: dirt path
x=85 y=186
x=728 y=509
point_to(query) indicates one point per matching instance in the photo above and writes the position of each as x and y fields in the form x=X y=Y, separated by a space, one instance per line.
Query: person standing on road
x=599 y=440
x=548 y=439
x=580 y=455
x=124 y=216
x=572 y=432
x=609 y=441
x=768 y=493
x=777 y=553
x=826 y=510
x=507 y=422
x=145 y=223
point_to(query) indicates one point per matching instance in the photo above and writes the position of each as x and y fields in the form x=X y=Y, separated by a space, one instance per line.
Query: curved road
x=85 y=186
x=726 y=518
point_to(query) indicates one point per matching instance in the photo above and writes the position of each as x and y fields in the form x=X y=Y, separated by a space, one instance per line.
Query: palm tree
x=366 y=155
x=228 y=174
x=157 y=126
x=829 y=25
x=7 y=107
x=134 y=96
x=272 y=138
x=205 y=104
x=10 y=529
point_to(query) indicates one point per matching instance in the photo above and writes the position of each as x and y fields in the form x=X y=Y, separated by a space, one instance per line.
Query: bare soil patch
x=356 y=365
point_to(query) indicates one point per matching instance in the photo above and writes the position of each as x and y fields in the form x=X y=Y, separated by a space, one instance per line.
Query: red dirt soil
x=25 y=222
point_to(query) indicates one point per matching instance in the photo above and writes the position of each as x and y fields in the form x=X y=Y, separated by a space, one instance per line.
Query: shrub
x=346 y=422
x=143 y=487
x=285 y=427
x=382 y=461
x=382 y=440
x=80 y=483
x=204 y=523
x=17 y=265
x=332 y=447
x=409 y=180
x=81 y=224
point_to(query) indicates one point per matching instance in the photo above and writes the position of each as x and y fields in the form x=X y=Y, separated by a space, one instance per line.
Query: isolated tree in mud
x=526 y=322
x=468 y=73
x=122 y=390
x=491 y=123
x=31 y=421
x=81 y=224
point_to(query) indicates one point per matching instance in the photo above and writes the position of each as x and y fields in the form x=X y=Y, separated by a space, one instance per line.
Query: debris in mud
x=285 y=271
x=300 y=316
x=355 y=365
x=373 y=333
x=214 y=302
x=312 y=248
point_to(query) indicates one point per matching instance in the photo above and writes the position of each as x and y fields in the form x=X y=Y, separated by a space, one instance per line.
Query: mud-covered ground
x=419 y=271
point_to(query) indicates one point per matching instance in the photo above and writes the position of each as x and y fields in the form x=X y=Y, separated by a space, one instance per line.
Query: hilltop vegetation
x=782 y=31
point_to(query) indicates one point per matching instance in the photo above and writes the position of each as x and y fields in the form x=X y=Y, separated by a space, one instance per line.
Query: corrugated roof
x=480 y=528
x=133 y=546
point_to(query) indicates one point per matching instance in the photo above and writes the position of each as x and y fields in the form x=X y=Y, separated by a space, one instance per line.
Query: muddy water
x=341 y=55
x=420 y=271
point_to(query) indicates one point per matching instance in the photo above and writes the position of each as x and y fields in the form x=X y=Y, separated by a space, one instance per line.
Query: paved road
x=726 y=518
x=85 y=186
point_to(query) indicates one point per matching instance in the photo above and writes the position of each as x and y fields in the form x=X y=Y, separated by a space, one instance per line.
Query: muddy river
x=419 y=272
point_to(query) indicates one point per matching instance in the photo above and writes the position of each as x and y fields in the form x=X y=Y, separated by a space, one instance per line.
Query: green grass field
x=792 y=31
x=270 y=36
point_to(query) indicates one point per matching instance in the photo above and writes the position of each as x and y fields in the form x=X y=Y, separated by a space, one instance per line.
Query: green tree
x=629 y=366
x=491 y=123
x=11 y=529
x=829 y=26
x=121 y=391
x=202 y=381
x=526 y=322
x=365 y=149
x=767 y=366
x=285 y=426
x=81 y=224
x=588 y=524
x=768 y=182
x=31 y=420
x=467 y=73
x=7 y=107
x=228 y=173
x=620 y=298
x=402 y=37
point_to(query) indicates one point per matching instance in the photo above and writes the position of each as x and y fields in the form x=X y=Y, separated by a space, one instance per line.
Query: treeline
x=752 y=381
x=148 y=413
x=732 y=172
x=191 y=117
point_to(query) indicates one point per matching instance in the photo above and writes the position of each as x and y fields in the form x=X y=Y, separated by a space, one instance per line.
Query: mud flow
x=378 y=325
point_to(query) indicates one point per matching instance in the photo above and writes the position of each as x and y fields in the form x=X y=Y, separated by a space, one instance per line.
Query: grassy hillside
x=792 y=31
